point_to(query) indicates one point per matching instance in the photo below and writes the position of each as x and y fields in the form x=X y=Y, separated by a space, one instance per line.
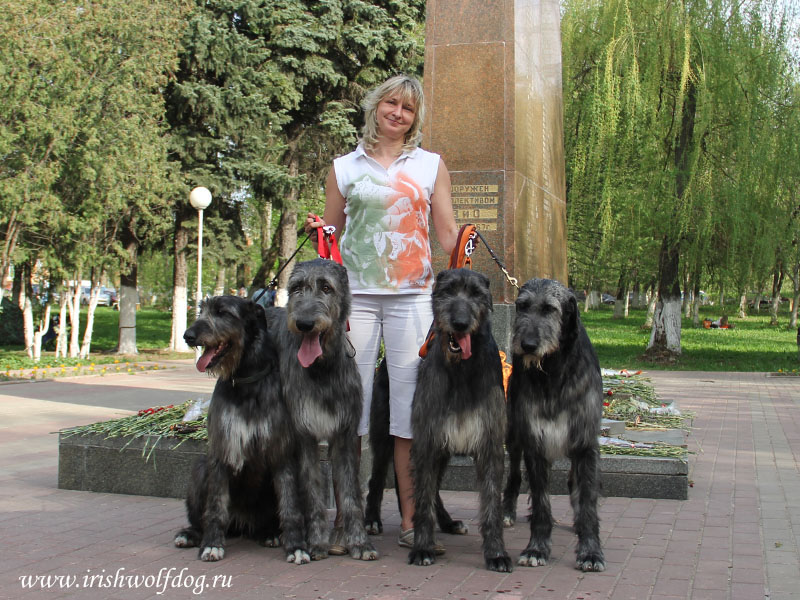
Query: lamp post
x=199 y=198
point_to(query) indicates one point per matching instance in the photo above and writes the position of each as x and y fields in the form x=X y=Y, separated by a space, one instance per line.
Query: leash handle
x=326 y=242
x=461 y=256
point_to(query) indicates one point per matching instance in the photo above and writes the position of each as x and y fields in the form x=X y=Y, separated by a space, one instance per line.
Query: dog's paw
x=365 y=552
x=271 y=542
x=181 y=541
x=456 y=528
x=502 y=564
x=373 y=527
x=212 y=553
x=422 y=558
x=318 y=551
x=298 y=557
x=532 y=558
x=591 y=562
x=509 y=520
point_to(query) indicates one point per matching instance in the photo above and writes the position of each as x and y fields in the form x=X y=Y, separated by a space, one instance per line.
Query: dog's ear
x=489 y=293
x=570 y=319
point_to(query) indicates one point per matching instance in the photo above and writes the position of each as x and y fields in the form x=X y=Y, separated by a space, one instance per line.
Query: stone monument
x=494 y=98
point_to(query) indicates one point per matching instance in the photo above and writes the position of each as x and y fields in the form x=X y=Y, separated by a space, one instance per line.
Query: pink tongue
x=465 y=343
x=310 y=349
x=208 y=355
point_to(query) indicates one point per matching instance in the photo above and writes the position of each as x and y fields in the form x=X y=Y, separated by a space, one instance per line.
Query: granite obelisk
x=494 y=98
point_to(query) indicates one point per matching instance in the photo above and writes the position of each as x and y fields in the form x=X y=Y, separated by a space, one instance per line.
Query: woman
x=381 y=196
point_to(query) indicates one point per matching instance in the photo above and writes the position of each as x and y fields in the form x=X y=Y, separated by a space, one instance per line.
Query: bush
x=11 y=330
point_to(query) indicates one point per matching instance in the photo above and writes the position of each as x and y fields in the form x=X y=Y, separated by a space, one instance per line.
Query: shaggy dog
x=248 y=466
x=323 y=393
x=459 y=409
x=554 y=409
x=382 y=445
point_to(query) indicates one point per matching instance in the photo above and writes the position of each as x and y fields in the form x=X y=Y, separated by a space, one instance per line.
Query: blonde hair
x=410 y=90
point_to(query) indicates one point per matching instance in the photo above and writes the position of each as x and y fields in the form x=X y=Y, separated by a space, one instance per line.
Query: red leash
x=326 y=242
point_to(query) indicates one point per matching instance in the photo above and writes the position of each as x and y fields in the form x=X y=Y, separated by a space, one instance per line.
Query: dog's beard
x=532 y=360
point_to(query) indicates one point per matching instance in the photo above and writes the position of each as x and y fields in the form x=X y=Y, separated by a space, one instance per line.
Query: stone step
x=151 y=467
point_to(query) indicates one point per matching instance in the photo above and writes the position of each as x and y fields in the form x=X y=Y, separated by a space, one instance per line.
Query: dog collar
x=260 y=375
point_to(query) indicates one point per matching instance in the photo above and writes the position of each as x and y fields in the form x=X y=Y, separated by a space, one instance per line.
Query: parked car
x=106 y=297
x=608 y=299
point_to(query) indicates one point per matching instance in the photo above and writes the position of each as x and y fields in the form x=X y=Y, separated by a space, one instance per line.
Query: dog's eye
x=326 y=288
x=547 y=309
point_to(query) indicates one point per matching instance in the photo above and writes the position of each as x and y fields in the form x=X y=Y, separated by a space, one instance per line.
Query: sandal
x=406 y=540
x=336 y=548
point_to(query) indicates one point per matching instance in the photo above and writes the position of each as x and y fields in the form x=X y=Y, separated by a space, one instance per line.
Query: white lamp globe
x=200 y=198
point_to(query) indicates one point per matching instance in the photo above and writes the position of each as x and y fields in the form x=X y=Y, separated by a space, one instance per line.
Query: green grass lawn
x=153 y=328
x=752 y=345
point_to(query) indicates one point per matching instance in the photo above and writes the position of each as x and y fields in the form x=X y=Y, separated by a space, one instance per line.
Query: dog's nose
x=460 y=318
x=529 y=345
x=189 y=337
x=304 y=325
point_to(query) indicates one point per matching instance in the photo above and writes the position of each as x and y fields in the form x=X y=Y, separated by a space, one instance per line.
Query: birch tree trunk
x=665 y=336
x=44 y=327
x=288 y=229
x=651 y=310
x=87 y=334
x=179 y=299
x=61 y=339
x=219 y=287
x=128 y=296
x=75 y=316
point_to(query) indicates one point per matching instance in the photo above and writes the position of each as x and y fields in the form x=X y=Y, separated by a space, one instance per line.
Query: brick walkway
x=736 y=537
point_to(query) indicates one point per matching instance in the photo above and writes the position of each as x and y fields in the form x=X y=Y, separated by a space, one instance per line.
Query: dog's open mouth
x=210 y=357
x=461 y=343
x=310 y=349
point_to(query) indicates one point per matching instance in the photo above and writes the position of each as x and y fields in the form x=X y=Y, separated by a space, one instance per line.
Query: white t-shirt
x=386 y=245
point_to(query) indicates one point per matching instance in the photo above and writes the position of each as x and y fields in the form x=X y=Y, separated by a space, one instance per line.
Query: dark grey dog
x=235 y=488
x=555 y=403
x=459 y=409
x=323 y=392
x=382 y=445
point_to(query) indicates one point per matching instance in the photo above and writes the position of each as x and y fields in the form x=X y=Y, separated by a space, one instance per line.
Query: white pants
x=402 y=321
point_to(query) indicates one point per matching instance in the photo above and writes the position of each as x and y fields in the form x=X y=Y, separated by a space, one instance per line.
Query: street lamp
x=199 y=198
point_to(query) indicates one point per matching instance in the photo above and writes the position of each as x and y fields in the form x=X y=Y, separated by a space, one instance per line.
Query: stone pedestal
x=493 y=94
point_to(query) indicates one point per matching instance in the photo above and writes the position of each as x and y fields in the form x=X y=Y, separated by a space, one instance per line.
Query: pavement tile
x=708 y=547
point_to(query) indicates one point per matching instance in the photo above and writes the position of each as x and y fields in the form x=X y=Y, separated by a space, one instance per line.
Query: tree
x=670 y=114
x=222 y=108
x=84 y=130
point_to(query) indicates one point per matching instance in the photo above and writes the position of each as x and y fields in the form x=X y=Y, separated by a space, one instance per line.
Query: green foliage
x=82 y=125
x=632 y=68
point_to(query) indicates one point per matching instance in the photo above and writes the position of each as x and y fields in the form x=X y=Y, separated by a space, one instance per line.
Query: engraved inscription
x=477 y=204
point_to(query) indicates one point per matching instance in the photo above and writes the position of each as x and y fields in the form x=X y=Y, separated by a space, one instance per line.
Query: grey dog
x=459 y=409
x=247 y=474
x=555 y=403
x=323 y=393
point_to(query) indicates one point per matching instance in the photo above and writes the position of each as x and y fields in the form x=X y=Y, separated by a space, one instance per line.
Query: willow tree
x=680 y=92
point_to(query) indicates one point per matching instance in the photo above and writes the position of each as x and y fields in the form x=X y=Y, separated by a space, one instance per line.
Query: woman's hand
x=312 y=223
